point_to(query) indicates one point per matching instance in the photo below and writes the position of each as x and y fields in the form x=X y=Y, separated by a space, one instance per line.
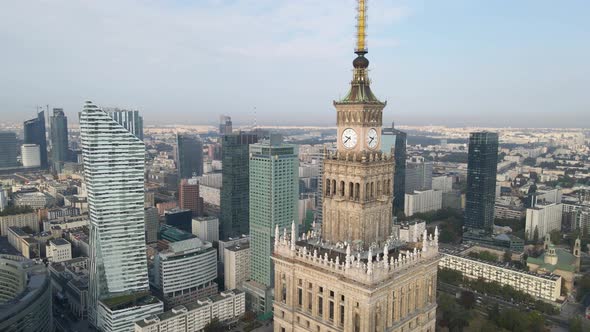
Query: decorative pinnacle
x=361 y=47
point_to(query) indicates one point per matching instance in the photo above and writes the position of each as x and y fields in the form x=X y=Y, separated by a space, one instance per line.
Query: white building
x=443 y=183
x=544 y=218
x=185 y=272
x=30 y=155
x=236 y=266
x=543 y=287
x=412 y=231
x=36 y=200
x=227 y=307
x=423 y=201
x=58 y=250
x=3 y=199
x=114 y=167
x=550 y=196
x=206 y=228
x=242 y=240
x=418 y=174
x=30 y=220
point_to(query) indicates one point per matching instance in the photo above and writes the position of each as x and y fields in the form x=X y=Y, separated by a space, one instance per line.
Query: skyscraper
x=188 y=196
x=130 y=120
x=353 y=274
x=58 y=135
x=189 y=155
x=114 y=165
x=8 y=149
x=235 y=189
x=395 y=140
x=481 y=181
x=35 y=133
x=274 y=197
x=418 y=175
x=225 y=125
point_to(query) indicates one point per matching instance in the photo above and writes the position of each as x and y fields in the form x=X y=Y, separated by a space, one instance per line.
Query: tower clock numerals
x=349 y=138
x=372 y=138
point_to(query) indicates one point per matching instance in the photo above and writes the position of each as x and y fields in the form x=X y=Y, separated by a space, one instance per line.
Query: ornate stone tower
x=354 y=274
x=358 y=178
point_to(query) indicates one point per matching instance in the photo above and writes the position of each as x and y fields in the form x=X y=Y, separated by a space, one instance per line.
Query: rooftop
x=59 y=242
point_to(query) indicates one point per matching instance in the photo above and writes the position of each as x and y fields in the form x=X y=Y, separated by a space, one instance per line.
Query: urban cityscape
x=113 y=220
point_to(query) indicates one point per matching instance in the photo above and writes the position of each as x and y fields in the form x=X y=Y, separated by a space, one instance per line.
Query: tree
x=529 y=161
x=555 y=236
x=214 y=326
x=467 y=299
x=537 y=321
x=576 y=324
x=536 y=235
x=507 y=256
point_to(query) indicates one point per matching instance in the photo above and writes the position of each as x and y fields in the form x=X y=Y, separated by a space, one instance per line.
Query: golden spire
x=361 y=46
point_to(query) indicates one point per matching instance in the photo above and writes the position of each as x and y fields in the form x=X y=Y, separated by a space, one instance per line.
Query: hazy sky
x=453 y=62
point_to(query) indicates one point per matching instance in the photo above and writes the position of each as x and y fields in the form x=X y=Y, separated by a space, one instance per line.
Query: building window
x=300 y=297
x=320 y=306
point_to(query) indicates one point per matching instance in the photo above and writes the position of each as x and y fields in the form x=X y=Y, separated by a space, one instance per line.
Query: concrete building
x=543 y=287
x=152 y=224
x=184 y=272
x=188 y=196
x=34 y=200
x=25 y=295
x=227 y=307
x=423 y=201
x=58 y=250
x=30 y=155
x=236 y=265
x=411 y=231
x=542 y=219
x=274 y=197
x=114 y=170
x=443 y=183
x=24 y=243
x=206 y=228
x=230 y=242
x=418 y=175
x=3 y=199
x=69 y=280
x=21 y=220
x=66 y=223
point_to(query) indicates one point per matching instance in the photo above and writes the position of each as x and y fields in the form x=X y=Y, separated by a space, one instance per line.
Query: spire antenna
x=361 y=26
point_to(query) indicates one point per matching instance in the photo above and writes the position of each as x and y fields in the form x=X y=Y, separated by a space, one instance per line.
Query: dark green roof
x=565 y=261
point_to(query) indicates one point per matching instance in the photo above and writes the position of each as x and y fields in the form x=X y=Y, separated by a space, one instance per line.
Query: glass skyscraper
x=114 y=162
x=35 y=133
x=395 y=141
x=130 y=120
x=59 y=137
x=189 y=155
x=235 y=189
x=8 y=150
x=481 y=181
x=274 y=194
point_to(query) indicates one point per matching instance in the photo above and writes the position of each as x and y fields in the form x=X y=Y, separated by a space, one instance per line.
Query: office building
x=443 y=183
x=179 y=218
x=230 y=242
x=35 y=200
x=189 y=156
x=30 y=155
x=481 y=181
x=189 y=198
x=58 y=250
x=152 y=224
x=543 y=219
x=30 y=220
x=58 y=135
x=225 y=125
x=337 y=280
x=70 y=279
x=184 y=272
x=418 y=175
x=25 y=295
x=206 y=228
x=8 y=150
x=423 y=201
x=34 y=133
x=3 y=199
x=130 y=120
x=395 y=141
x=226 y=307
x=235 y=189
x=236 y=265
x=114 y=168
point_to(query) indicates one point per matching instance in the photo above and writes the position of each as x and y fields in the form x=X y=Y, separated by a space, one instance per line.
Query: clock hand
x=372 y=139
x=347 y=139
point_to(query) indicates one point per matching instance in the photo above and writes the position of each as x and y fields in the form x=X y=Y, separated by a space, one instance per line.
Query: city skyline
x=522 y=66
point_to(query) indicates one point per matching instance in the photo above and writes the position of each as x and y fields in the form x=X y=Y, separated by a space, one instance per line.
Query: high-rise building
x=35 y=133
x=130 y=120
x=189 y=198
x=235 y=192
x=354 y=274
x=481 y=181
x=274 y=199
x=114 y=166
x=8 y=149
x=418 y=175
x=542 y=220
x=395 y=140
x=179 y=218
x=189 y=156
x=58 y=134
x=225 y=125
x=30 y=155
x=152 y=224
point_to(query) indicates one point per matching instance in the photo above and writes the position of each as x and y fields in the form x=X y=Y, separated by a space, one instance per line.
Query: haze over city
x=456 y=63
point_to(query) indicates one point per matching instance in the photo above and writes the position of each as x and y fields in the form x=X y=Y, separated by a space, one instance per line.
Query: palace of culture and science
x=353 y=274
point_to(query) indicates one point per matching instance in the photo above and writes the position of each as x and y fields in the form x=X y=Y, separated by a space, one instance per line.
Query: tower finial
x=361 y=47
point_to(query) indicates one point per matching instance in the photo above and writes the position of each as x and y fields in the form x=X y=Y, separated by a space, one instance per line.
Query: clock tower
x=358 y=178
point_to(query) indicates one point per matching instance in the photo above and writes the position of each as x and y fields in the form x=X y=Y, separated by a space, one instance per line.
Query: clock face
x=372 y=138
x=349 y=138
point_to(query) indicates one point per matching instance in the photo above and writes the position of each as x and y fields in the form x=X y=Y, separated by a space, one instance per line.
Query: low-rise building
x=541 y=286
x=69 y=280
x=35 y=200
x=422 y=201
x=67 y=222
x=226 y=306
x=58 y=250
x=24 y=242
x=30 y=220
x=557 y=261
